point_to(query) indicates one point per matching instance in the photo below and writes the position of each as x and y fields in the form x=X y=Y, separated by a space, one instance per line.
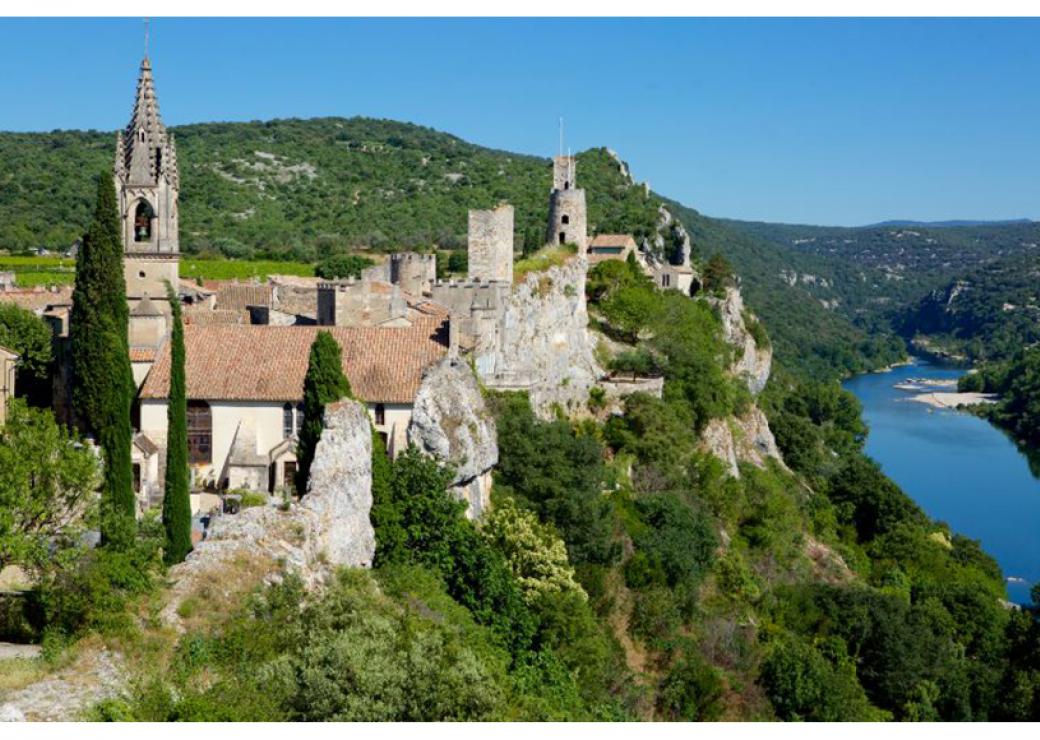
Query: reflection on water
x=959 y=468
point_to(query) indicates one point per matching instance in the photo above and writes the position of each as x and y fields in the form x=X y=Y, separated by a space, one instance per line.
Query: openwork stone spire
x=147 y=150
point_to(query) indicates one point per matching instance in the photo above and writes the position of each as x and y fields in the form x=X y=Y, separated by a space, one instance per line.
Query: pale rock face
x=339 y=494
x=544 y=341
x=451 y=423
x=743 y=439
x=330 y=527
x=753 y=363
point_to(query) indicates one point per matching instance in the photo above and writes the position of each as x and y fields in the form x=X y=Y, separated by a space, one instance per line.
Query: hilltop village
x=247 y=342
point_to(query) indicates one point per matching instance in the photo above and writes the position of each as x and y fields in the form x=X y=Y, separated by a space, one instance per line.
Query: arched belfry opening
x=143 y=217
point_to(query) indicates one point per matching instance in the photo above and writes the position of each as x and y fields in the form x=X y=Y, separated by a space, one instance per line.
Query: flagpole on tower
x=146 y=38
x=561 y=137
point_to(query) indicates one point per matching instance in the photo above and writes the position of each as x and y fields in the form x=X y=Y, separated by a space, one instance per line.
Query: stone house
x=8 y=361
x=245 y=393
x=610 y=247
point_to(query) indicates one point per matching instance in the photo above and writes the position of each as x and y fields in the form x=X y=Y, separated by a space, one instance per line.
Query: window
x=299 y=417
x=566 y=184
x=566 y=219
x=563 y=237
x=666 y=280
x=287 y=421
x=380 y=414
x=200 y=433
x=137 y=477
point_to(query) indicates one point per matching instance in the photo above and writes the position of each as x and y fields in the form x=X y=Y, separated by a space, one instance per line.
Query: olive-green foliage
x=176 y=507
x=678 y=540
x=675 y=336
x=24 y=333
x=342 y=266
x=323 y=384
x=691 y=691
x=89 y=589
x=405 y=652
x=815 y=683
x=1018 y=383
x=103 y=385
x=47 y=487
x=718 y=274
x=423 y=523
x=558 y=474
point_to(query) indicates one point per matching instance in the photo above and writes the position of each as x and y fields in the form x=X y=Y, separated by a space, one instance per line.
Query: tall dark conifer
x=103 y=384
x=176 y=508
x=325 y=383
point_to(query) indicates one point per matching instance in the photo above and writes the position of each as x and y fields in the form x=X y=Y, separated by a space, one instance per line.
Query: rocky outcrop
x=752 y=362
x=330 y=527
x=94 y=675
x=544 y=347
x=743 y=439
x=451 y=422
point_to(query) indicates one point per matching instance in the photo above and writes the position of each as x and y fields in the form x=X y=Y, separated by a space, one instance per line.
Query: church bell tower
x=147 y=185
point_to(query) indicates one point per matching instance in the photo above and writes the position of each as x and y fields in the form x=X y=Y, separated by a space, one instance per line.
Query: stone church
x=244 y=381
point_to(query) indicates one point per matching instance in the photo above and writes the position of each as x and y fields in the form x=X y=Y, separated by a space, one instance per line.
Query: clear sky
x=802 y=121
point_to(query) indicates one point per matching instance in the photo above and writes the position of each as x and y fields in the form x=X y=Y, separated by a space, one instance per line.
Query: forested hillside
x=988 y=313
x=307 y=189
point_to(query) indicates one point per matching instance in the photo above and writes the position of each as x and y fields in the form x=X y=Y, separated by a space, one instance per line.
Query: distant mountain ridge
x=949 y=224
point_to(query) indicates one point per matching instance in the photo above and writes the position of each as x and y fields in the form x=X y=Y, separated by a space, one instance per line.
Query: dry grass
x=17 y=673
x=542 y=260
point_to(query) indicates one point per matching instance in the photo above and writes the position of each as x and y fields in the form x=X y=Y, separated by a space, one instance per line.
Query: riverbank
x=944 y=400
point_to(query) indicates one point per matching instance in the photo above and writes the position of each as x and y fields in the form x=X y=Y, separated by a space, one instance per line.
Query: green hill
x=305 y=189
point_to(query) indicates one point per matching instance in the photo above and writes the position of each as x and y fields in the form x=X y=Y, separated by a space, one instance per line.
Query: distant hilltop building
x=568 y=221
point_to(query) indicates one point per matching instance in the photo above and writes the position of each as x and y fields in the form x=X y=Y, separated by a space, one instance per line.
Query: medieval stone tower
x=568 y=222
x=491 y=245
x=147 y=185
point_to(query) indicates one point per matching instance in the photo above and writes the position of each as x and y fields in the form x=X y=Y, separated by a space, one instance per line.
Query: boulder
x=330 y=526
x=451 y=423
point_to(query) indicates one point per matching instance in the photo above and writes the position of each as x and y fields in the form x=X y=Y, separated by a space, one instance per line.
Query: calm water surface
x=959 y=468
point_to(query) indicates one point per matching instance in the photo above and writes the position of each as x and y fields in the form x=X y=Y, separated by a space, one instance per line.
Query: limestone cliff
x=451 y=422
x=741 y=439
x=329 y=527
x=752 y=362
x=543 y=346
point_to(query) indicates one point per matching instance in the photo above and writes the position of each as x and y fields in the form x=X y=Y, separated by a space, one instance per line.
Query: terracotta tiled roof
x=268 y=363
x=613 y=240
x=236 y=296
x=202 y=316
x=37 y=299
x=142 y=354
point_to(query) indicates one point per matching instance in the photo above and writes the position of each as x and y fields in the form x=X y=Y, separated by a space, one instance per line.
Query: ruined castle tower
x=491 y=245
x=147 y=185
x=568 y=222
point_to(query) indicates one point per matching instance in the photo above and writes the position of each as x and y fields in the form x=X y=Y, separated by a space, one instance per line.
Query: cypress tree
x=103 y=384
x=325 y=383
x=176 y=507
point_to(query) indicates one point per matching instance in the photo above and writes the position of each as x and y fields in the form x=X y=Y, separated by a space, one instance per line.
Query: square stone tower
x=568 y=221
x=147 y=186
x=491 y=245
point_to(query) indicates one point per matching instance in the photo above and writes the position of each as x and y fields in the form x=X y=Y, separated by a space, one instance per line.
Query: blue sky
x=801 y=121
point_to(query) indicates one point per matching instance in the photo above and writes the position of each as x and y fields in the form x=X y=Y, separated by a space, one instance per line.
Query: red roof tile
x=268 y=363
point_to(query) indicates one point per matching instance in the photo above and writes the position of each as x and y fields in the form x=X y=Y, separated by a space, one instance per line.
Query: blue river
x=960 y=469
